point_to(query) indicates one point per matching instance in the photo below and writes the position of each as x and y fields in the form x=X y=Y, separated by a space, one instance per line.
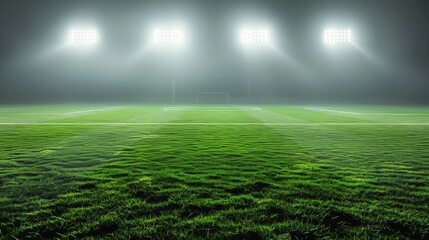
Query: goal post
x=212 y=98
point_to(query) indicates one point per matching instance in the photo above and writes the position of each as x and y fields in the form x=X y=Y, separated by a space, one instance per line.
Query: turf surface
x=274 y=172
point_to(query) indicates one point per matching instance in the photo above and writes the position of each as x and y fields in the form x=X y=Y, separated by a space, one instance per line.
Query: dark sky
x=388 y=62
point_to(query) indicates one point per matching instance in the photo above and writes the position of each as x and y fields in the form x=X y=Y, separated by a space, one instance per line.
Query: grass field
x=266 y=172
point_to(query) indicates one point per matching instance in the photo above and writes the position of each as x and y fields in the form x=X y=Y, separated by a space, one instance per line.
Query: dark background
x=388 y=64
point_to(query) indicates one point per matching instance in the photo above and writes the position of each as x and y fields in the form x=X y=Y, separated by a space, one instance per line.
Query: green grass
x=289 y=173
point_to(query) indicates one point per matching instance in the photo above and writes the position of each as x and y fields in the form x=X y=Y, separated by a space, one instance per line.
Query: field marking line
x=61 y=113
x=25 y=107
x=92 y=110
x=396 y=114
x=256 y=109
x=31 y=113
x=212 y=109
x=221 y=124
x=368 y=114
x=334 y=111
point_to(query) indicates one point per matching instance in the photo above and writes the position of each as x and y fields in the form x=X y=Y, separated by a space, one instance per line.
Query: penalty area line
x=211 y=109
x=26 y=107
x=217 y=124
x=92 y=110
x=367 y=114
x=334 y=111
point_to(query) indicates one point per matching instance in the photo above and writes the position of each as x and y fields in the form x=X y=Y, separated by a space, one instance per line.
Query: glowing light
x=169 y=36
x=254 y=36
x=334 y=36
x=87 y=36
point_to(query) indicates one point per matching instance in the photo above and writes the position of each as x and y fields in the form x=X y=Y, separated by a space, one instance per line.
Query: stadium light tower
x=251 y=37
x=84 y=36
x=337 y=36
x=169 y=37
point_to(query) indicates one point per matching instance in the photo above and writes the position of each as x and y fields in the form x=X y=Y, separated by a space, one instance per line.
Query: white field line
x=334 y=111
x=396 y=114
x=367 y=114
x=256 y=109
x=92 y=110
x=26 y=107
x=212 y=109
x=221 y=123
x=61 y=113
x=31 y=113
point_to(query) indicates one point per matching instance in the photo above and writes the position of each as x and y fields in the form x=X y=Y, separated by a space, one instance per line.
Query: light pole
x=170 y=37
x=251 y=37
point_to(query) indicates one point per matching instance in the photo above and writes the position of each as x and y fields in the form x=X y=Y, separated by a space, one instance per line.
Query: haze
x=386 y=64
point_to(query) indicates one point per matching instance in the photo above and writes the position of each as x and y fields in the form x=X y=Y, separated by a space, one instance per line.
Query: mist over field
x=386 y=64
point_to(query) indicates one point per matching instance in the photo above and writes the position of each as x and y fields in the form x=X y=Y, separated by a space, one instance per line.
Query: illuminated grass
x=217 y=182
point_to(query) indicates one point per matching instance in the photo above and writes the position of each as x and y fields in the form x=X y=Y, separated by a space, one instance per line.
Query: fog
x=387 y=62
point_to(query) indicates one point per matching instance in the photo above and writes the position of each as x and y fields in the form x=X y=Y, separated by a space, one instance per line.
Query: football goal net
x=212 y=98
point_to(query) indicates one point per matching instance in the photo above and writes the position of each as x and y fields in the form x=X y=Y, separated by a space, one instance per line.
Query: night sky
x=388 y=62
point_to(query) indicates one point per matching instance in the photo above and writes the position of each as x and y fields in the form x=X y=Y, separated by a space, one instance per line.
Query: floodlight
x=169 y=36
x=86 y=36
x=334 y=36
x=254 y=36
